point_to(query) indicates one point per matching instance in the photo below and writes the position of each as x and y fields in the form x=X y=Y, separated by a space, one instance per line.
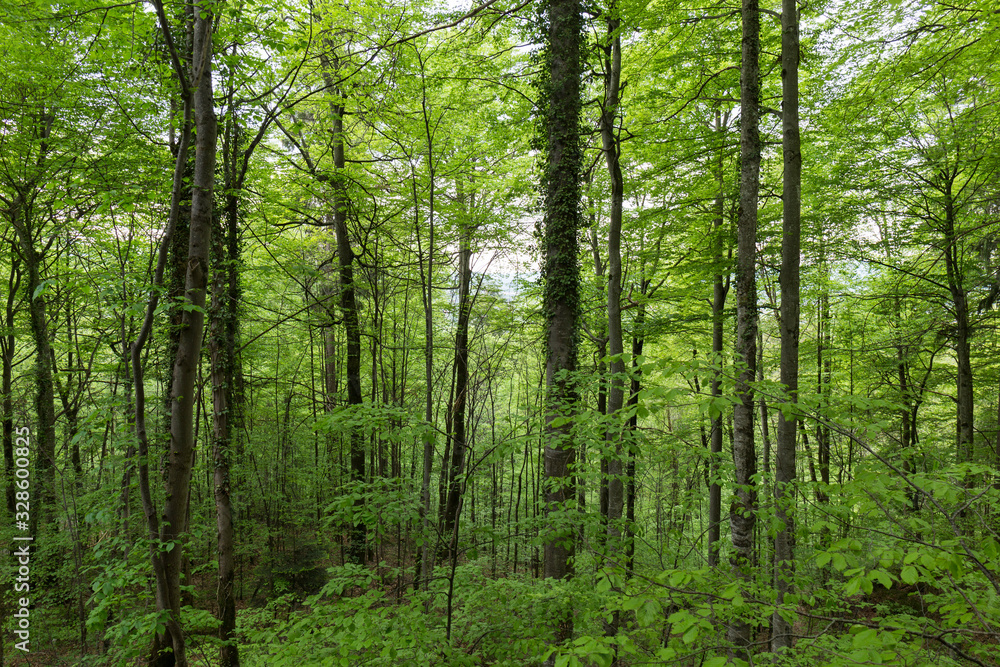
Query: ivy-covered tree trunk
x=784 y=459
x=226 y=399
x=561 y=273
x=562 y=277
x=185 y=370
x=743 y=511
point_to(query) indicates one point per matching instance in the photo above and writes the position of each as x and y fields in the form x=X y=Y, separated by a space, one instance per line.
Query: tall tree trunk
x=638 y=341
x=158 y=654
x=179 y=461
x=616 y=384
x=616 y=435
x=964 y=389
x=743 y=511
x=352 y=327
x=348 y=297
x=784 y=459
x=461 y=365
x=562 y=277
x=7 y=342
x=427 y=294
x=226 y=401
x=44 y=434
x=720 y=290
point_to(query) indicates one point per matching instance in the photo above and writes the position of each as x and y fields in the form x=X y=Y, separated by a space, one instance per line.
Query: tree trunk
x=7 y=342
x=461 y=365
x=720 y=290
x=348 y=298
x=964 y=390
x=743 y=511
x=185 y=371
x=616 y=384
x=784 y=457
x=561 y=270
x=44 y=434
x=561 y=292
x=226 y=402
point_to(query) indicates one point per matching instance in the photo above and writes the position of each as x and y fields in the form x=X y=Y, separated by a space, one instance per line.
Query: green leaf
x=866 y=638
x=42 y=286
x=883 y=578
x=909 y=575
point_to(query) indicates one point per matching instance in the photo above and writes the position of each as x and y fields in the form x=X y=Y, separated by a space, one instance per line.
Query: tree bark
x=356 y=551
x=226 y=400
x=461 y=365
x=784 y=459
x=22 y=218
x=964 y=388
x=561 y=274
x=720 y=291
x=611 y=145
x=7 y=342
x=179 y=462
x=561 y=271
x=743 y=510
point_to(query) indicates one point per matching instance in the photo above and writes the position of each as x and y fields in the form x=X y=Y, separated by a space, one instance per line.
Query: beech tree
x=396 y=305
x=743 y=511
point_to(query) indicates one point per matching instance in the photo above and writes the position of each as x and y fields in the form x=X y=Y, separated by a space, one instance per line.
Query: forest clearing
x=372 y=332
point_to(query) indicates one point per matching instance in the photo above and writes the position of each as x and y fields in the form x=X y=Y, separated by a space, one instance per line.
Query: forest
x=500 y=332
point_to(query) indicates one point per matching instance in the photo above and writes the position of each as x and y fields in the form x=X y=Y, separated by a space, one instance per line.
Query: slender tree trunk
x=226 y=402
x=784 y=459
x=7 y=342
x=348 y=296
x=185 y=372
x=44 y=433
x=824 y=369
x=638 y=341
x=461 y=365
x=158 y=656
x=613 y=438
x=427 y=294
x=743 y=511
x=601 y=341
x=720 y=290
x=352 y=327
x=964 y=390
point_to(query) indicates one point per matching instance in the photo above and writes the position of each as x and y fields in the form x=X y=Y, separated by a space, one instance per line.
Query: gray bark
x=616 y=385
x=743 y=510
x=784 y=459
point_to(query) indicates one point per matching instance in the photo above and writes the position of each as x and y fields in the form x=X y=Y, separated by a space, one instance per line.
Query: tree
x=743 y=511
x=561 y=274
x=784 y=463
x=166 y=533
